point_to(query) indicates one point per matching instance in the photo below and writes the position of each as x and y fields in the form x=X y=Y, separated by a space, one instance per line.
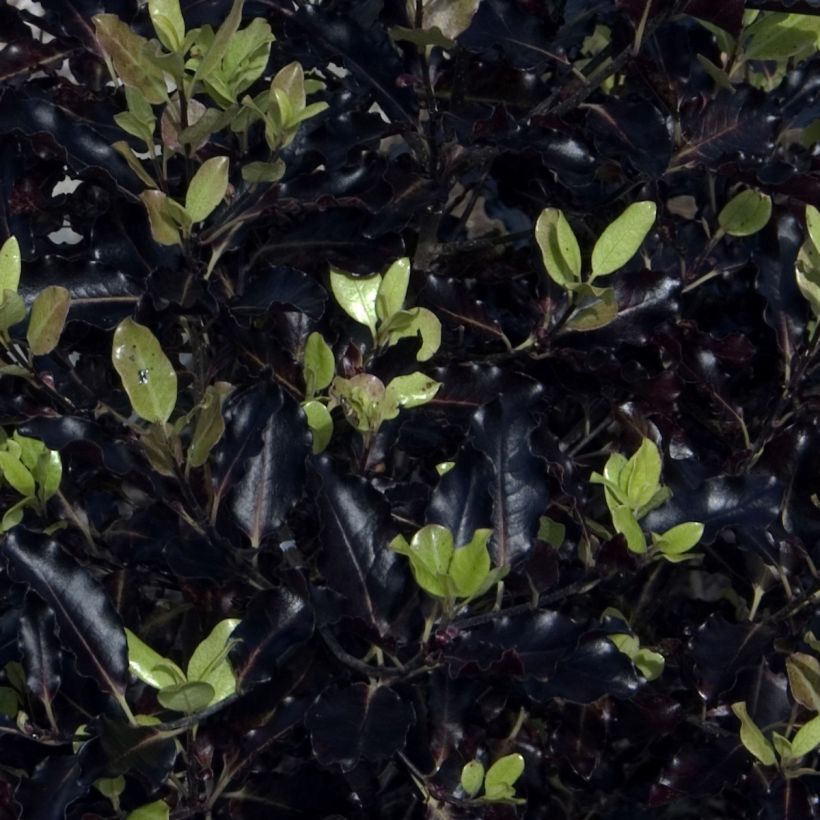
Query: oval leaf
x=680 y=539
x=48 y=315
x=9 y=265
x=210 y=664
x=559 y=247
x=319 y=364
x=752 y=738
x=320 y=423
x=168 y=23
x=149 y=666
x=501 y=776
x=745 y=214
x=808 y=738
x=472 y=776
x=621 y=239
x=158 y=810
x=804 y=679
x=207 y=188
x=190 y=697
x=393 y=289
x=357 y=296
x=146 y=372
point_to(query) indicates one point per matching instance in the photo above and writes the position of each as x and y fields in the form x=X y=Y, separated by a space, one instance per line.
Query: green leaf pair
x=448 y=572
x=650 y=664
x=632 y=489
x=32 y=471
x=498 y=781
x=209 y=678
x=804 y=742
x=376 y=301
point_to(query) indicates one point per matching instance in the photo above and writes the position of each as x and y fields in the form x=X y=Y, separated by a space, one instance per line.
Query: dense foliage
x=409 y=409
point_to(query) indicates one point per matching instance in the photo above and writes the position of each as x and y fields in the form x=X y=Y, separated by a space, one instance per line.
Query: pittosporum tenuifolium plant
x=316 y=319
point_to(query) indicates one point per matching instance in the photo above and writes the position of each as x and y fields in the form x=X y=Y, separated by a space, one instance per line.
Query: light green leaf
x=146 y=372
x=247 y=56
x=210 y=424
x=501 y=777
x=626 y=643
x=361 y=398
x=432 y=548
x=356 y=296
x=319 y=364
x=804 y=679
x=12 y=309
x=650 y=664
x=470 y=564
x=168 y=23
x=752 y=738
x=412 y=390
x=720 y=77
x=679 y=539
x=149 y=666
x=320 y=423
x=28 y=449
x=210 y=664
x=444 y=467
x=189 y=698
x=110 y=787
x=158 y=810
x=220 y=42
x=48 y=472
x=559 y=247
x=163 y=227
x=127 y=52
x=124 y=150
x=807 y=738
x=14 y=514
x=812 y=224
x=415 y=322
x=597 y=308
x=207 y=188
x=778 y=36
x=621 y=239
x=291 y=81
x=472 y=776
x=400 y=545
x=551 y=532
x=745 y=214
x=16 y=473
x=783 y=747
x=624 y=522
x=10 y=265
x=48 y=315
x=393 y=289
x=256 y=172
x=644 y=476
x=450 y=17
x=420 y=37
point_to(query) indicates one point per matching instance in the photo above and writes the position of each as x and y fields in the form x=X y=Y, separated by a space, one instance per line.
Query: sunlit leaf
x=624 y=521
x=48 y=315
x=190 y=697
x=356 y=296
x=559 y=247
x=408 y=391
x=319 y=364
x=778 y=36
x=416 y=322
x=470 y=564
x=207 y=188
x=147 y=374
x=746 y=213
x=451 y=17
x=621 y=239
x=807 y=738
x=393 y=289
x=320 y=423
x=16 y=473
x=12 y=309
x=644 y=473
x=149 y=666
x=221 y=41
x=472 y=777
x=9 y=266
x=168 y=23
x=209 y=662
x=812 y=224
x=501 y=777
x=164 y=228
x=752 y=738
x=679 y=539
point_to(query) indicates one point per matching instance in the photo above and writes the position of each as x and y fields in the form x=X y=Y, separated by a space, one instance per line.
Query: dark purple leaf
x=276 y=623
x=138 y=750
x=40 y=649
x=274 y=478
x=72 y=18
x=90 y=627
x=355 y=559
x=23 y=57
x=501 y=431
x=281 y=285
x=362 y=721
x=728 y=14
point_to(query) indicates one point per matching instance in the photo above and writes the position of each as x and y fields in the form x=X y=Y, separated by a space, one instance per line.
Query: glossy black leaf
x=519 y=490
x=274 y=477
x=72 y=18
x=362 y=721
x=40 y=649
x=89 y=625
x=276 y=623
x=281 y=285
x=356 y=560
x=138 y=750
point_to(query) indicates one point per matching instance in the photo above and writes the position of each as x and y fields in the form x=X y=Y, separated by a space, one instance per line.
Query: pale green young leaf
x=597 y=307
x=650 y=664
x=149 y=666
x=14 y=514
x=472 y=776
x=400 y=545
x=361 y=398
x=720 y=77
x=432 y=548
x=9 y=265
x=624 y=522
x=221 y=40
x=308 y=112
x=626 y=643
x=127 y=52
x=444 y=467
x=27 y=449
x=207 y=188
x=319 y=364
x=551 y=532
x=783 y=747
x=48 y=315
x=210 y=424
x=247 y=56
x=110 y=787
x=560 y=252
x=450 y=17
x=804 y=679
x=412 y=390
x=807 y=274
x=209 y=662
x=421 y=38
x=813 y=225
x=415 y=322
x=746 y=213
x=644 y=476
x=12 y=309
x=679 y=539
x=16 y=474
x=621 y=239
x=807 y=738
x=778 y=36
x=190 y=697
x=124 y=150
x=163 y=227
x=158 y=810
x=501 y=777
x=166 y=17
x=48 y=472
x=356 y=296
x=752 y=738
x=290 y=80
x=393 y=289
x=147 y=374
x=470 y=564
x=256 y=172
x=613 y=468
x=320 y=423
